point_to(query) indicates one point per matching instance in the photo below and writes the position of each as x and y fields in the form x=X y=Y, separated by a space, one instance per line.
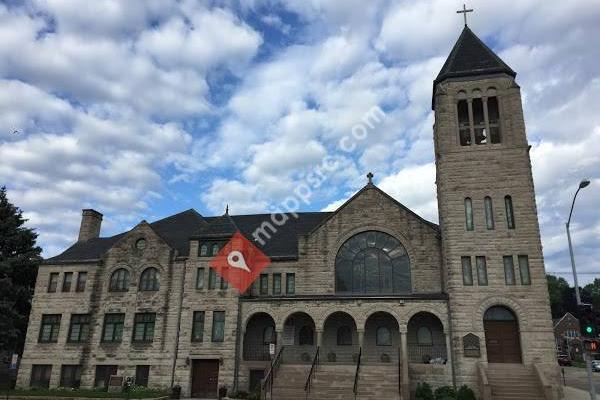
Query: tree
x=19 y=260
x=559 y=291
x=594 y=291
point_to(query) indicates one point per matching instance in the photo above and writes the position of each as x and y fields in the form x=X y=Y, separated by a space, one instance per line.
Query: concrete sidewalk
x=572 y=393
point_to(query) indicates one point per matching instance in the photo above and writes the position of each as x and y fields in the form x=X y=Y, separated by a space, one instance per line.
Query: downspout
x=236 y=361
x=176 y=350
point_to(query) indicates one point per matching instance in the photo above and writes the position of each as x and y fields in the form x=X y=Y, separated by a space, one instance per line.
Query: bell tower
x=492 y=253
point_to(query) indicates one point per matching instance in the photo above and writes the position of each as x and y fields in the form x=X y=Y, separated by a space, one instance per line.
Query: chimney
x=91 y=220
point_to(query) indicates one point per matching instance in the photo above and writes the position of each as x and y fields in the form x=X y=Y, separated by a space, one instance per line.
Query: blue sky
x=141 y=109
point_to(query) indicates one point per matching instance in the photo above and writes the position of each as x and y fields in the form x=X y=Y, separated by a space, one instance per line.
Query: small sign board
x=115 y=383
x=272 y=349
x=14 y=361
x=471 y=347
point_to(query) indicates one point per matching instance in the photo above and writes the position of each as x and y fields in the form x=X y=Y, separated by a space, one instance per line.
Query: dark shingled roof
x=471 y=57
x=177 y=230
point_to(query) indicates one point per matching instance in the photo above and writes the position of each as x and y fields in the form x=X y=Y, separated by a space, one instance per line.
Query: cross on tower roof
x=464 y=12
x=370 y=178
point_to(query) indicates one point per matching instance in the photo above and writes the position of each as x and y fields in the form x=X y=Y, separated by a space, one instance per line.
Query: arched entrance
x=299 y=337
x=426 y=339
x=340 y=339
x=260 y=332
x=382 y=338
x=502 y=335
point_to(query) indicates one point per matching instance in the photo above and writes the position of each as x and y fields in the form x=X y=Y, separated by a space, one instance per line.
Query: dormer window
x=478 y=118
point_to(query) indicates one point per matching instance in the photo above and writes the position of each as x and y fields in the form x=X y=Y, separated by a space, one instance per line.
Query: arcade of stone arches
x=423 y=340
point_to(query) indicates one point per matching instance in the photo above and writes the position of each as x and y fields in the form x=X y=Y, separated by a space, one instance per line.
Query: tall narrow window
x=276 y=283
x=469 y=214
x=200 y=278
x=49 y=328
x=344 y=336
x=479 y=122
x=383 y=336
x=224 y=284
x=482 y=278
x=464 y=127
x=142 y=372
x=264 y=284
x=489 y=212
x=198 y=327
x=40 y=375
x=143 y=327
x=290 y=283
x=269 y=335
x=212 y=279
x=218 y=326
x=67 y=280
x=494 y=119
x=424 y=336
x=510 y=215
x=467 y=271
x=509 y=270
x=52 y=282
x=215 y=249
x=79 y=329
x=70 y=376
x=524 y=270
x=81 y=279
x=113 y=328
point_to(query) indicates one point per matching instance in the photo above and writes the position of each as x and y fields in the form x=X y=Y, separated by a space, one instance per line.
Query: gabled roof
x=178 y=229
x=471 y=57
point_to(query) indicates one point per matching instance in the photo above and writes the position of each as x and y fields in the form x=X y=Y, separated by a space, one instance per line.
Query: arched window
x=510 y=215
x=499 y=313
x=489 y=212
x=215 y=249
x=268 y=335
x=149 y=281
x=372 y=262
x=204 y=250
x=479 y=122
x=464 y=127
x=469 y=213
x=424 y=336
x=344 y=336
x=306 y=336
x=383 y=336
x=119 y=281
x=494 y=119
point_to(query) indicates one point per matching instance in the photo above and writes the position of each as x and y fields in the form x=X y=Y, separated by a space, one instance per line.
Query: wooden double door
x=205 y=378
x=502 y=341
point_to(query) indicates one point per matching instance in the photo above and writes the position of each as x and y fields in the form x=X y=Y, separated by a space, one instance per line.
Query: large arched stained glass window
x=372 y=262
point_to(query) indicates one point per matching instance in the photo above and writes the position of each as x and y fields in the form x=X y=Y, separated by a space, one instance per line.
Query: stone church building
x=366 y=301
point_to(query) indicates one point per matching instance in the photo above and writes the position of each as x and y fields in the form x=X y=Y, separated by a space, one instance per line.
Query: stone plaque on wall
x=471 y=347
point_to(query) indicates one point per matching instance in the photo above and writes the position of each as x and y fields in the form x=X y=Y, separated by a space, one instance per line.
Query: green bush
x=424 y=392
x=445 y=393
x=465 y=393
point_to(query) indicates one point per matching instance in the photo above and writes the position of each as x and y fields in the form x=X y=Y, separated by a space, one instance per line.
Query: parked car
x=596 y=365
x=564 y=360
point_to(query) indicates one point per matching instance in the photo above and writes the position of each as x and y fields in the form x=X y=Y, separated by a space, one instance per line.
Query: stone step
x=514 y=382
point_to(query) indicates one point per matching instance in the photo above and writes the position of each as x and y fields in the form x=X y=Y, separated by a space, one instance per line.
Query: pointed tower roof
x=471 y=57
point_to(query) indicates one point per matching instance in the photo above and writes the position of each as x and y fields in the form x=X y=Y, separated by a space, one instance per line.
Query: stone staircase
x=514 y=382
x=335 y=382
x=378 y=382
x=289 y=382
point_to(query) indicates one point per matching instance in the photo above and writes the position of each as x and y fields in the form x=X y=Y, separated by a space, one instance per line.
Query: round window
x=140 y=244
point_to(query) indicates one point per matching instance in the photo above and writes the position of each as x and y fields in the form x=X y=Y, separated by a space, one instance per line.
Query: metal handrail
x=311 y=373
x=355 y=389
x=271 y=374
x=400 y=366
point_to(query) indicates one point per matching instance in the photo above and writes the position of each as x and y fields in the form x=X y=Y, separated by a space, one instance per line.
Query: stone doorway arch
x=502 y=335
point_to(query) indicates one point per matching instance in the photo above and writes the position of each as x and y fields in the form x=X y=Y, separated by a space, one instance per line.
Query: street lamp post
x=584 y=183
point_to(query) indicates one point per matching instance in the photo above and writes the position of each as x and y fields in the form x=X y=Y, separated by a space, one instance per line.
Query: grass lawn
x=141 y=393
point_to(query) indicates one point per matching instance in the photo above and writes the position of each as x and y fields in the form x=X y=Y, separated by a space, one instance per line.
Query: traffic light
x=591 y=345
x=587 y=321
